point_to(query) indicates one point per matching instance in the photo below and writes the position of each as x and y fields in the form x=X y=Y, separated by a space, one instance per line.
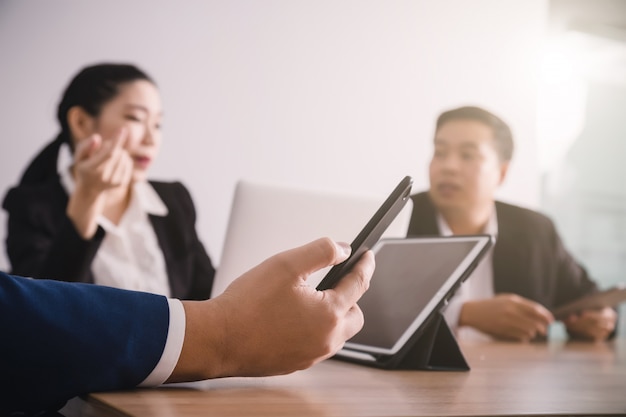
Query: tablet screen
x=411 y=280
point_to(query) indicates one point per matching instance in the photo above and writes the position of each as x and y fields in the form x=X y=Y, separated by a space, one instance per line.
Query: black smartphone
x=371 y=233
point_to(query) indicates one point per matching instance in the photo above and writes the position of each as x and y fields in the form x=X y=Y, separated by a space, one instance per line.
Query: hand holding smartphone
x=371 y=233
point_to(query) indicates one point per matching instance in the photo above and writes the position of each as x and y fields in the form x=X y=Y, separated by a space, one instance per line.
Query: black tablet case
x=432 y=347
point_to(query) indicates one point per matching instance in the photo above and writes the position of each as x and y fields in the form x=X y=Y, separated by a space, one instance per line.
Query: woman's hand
x=100 y=166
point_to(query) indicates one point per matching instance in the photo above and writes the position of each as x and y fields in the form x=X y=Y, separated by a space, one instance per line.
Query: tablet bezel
x=446 y=289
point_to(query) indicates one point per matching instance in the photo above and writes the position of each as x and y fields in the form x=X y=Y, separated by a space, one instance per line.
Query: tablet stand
x=434 y=348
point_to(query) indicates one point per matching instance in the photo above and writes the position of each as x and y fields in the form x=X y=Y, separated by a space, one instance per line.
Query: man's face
x=465 y=170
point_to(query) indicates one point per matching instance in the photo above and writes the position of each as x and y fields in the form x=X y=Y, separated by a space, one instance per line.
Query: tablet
x=413 y=279
x=607 y=298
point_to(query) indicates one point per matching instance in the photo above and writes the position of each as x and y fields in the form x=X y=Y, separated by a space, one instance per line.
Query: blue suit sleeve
x=59 y=340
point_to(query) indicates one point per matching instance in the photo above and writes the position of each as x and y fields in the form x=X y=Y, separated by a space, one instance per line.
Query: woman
x=93 y=216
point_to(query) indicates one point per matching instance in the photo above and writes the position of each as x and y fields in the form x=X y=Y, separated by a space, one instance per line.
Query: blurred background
x=343 y=95
x=581 y=133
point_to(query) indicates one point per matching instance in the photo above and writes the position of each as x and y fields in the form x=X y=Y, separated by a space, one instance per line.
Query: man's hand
x=593 y=325
x=270 y=322
x=507 y=316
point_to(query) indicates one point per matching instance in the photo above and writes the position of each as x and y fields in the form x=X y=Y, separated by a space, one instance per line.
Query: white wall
x=338 y=95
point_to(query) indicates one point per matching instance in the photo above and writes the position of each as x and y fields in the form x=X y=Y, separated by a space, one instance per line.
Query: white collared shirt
x=130 y=258
x=477 y=287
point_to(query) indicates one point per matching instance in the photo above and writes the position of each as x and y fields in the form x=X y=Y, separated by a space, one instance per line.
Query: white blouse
x=129 y=257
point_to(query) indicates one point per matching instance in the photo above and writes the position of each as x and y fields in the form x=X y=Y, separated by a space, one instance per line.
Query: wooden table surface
x=505 y=379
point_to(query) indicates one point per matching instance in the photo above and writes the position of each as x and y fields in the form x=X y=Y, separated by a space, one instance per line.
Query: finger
x=588 y=330
x=523 y=329
x=586 y=322
x=537 y=326
x=591 y=319
x=86 y=147
x=121 y=138
x=599 y=315
x=117 y=142
x=353 y=285
x=110 y=150
x=302 y=261
x=595 y=333
x=122 y=169
x=535 y=311
x=353 y=322
x=571 y=319
x=116 y=160
x=597 y=320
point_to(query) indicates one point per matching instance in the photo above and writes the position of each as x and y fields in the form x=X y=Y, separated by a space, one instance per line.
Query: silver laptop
x=269 y=218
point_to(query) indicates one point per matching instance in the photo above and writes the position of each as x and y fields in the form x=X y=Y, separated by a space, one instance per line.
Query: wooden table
x=505 y=379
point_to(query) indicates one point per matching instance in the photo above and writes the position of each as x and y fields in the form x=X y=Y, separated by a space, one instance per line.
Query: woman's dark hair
x=501 y=132
x=90 y=89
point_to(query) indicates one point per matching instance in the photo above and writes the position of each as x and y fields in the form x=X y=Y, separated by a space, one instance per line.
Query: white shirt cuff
x=173 y=346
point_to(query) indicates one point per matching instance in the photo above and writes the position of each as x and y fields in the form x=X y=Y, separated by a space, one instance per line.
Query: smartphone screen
x=371 y=233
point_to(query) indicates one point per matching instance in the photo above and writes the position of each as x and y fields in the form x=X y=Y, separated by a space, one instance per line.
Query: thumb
x=302 y=261
x=86 y=147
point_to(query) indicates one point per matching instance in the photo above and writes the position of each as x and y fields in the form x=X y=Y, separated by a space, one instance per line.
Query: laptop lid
x=266 y=219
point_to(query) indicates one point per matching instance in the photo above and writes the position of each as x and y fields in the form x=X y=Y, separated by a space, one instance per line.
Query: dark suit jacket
x=529 y=258
x=60 y=340
x=43 y=243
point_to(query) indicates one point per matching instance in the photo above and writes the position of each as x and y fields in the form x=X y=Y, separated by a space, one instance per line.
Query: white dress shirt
x=129 y=257
x=478 y=286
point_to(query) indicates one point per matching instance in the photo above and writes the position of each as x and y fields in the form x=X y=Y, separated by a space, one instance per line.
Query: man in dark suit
x=528 y=271
x=62 y=339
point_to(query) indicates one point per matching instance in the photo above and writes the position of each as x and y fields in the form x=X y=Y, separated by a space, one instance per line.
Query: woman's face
x=137 y=108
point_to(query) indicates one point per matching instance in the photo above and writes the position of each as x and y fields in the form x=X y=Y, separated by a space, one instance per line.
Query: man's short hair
x=501 y=131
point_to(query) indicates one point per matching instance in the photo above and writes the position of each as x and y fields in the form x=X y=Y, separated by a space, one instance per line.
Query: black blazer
x=529 y=258
x=43 y=243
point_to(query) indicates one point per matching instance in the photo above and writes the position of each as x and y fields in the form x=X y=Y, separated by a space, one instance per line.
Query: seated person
x=93 y=216
x=528 y=271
